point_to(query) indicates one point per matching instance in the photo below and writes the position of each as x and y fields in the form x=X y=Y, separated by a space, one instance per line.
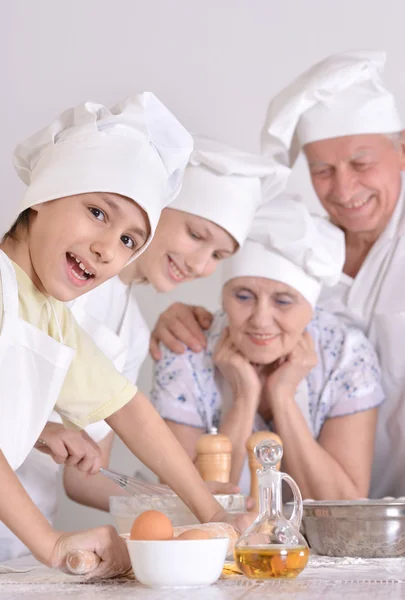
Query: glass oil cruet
x=273 y=547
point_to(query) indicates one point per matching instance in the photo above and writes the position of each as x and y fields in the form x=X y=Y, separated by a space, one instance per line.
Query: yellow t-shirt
x=93 y=389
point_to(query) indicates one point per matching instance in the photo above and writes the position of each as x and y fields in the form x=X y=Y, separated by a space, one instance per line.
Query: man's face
x=357 y=179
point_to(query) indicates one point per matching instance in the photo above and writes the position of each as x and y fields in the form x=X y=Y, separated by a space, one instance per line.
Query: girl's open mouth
x=175 y=273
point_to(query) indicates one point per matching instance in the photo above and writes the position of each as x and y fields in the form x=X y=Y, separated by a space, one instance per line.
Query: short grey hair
x=396 y=138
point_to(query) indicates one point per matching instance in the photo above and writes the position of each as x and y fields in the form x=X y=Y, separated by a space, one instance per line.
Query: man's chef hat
x=287 y=244
x=341 y=95
x=137 y=149
x=223 y=185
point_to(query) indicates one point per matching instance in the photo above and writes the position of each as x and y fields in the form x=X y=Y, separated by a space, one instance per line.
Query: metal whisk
x=136 y=486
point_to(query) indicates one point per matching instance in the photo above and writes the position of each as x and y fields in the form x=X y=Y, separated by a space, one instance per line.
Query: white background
x=215 y=63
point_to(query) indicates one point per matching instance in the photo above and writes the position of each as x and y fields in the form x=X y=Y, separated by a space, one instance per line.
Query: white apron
x=38 y=474
x=111 y=316
x=375 y=301
x=33 y=367
x=107 y=340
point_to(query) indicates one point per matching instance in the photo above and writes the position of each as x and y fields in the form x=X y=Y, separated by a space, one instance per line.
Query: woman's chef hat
x=137 y=149
x=287 y=244
x=223 y=185
x=341 y=95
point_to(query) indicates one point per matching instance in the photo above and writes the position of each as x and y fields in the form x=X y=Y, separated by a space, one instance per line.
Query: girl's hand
x=292 y=368
x=69 y=447
x=237 y=371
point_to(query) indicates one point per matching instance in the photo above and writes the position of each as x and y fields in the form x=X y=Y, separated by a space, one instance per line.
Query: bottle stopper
x=254 y=463
x=269 y=453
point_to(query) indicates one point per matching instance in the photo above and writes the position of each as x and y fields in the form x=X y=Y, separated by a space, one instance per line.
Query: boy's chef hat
x=137 y=149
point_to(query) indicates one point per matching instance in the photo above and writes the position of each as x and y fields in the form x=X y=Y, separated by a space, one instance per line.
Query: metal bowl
x=360 y=528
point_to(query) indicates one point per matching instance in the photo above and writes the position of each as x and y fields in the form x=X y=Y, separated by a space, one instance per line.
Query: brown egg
x=193 y=534
x=151 y=525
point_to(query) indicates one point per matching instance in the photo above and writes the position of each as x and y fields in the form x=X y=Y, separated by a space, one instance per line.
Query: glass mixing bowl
x=125 y=509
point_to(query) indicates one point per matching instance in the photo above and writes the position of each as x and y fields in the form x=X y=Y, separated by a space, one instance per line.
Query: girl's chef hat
x=137 y=149
x=287 y=244
x=341 y=95
x=223 y=185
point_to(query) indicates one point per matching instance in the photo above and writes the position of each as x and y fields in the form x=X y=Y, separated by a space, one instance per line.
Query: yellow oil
x=274 y=562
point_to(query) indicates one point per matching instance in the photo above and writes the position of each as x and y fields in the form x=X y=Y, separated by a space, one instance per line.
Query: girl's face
x=77 y=243
x=184 y=247
x=266 y=317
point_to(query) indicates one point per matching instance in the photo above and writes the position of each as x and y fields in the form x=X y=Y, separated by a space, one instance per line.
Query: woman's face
x=266 y=317
x=185 y=247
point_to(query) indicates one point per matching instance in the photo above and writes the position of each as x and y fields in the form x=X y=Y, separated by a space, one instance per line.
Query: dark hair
x=21 y=222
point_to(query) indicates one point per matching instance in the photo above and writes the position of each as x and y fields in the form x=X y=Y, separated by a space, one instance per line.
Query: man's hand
x=69 y=447
x=178 y=327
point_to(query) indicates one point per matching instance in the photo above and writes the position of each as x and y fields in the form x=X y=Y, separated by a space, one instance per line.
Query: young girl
x=97 y=180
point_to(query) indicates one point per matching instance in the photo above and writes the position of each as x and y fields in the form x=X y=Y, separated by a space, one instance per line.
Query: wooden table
x=323 y=579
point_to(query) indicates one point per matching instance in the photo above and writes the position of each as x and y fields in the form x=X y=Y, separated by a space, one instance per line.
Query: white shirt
x=189 y=390
x=112 y=305
x=375 y=300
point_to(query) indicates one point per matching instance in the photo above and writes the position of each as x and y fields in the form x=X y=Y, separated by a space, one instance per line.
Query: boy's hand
x=105 y=542
x=69 y=447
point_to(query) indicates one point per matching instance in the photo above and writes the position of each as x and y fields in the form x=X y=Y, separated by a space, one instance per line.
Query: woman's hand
x=103 y=541
x=237 y=371
x=292 y=368
x=69 y=447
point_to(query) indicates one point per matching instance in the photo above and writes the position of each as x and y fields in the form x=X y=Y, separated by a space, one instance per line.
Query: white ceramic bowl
x=177 y=563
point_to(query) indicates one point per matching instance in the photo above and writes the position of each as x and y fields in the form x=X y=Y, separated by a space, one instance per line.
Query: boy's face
x=77 y=243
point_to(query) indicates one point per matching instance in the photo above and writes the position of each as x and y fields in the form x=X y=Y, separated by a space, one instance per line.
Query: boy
x=97 y=181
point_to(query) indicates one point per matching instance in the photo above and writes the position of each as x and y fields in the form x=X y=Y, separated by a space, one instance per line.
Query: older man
x=345 y=121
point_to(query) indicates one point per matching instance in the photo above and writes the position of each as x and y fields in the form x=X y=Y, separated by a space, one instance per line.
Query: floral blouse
x=188 y=389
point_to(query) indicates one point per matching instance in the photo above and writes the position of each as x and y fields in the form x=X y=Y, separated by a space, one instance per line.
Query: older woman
x=275 y=361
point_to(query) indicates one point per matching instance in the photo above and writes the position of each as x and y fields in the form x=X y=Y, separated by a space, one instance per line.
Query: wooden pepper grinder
x=251 y=444
x=214 y=455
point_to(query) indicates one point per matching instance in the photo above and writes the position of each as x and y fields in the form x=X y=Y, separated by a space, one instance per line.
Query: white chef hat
x=137 y=149
x=341 y=95
x=288 y=244
x=223 y=185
